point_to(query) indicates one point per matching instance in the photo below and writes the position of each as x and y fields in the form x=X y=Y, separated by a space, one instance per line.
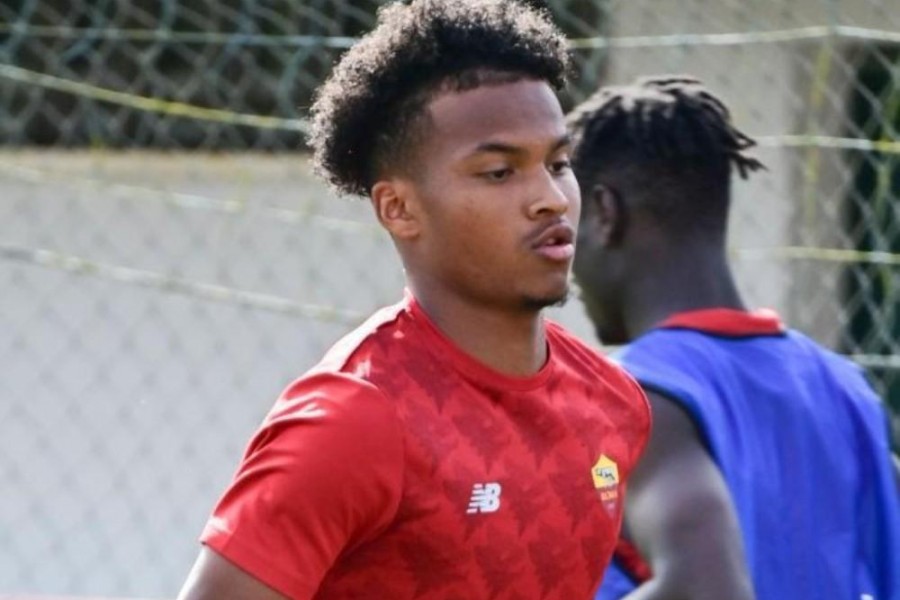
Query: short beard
x=533 y=303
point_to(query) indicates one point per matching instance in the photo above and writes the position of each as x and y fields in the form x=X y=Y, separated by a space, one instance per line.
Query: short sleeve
x=323 y=474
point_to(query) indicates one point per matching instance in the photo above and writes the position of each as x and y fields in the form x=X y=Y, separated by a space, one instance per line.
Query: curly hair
x=365 y=116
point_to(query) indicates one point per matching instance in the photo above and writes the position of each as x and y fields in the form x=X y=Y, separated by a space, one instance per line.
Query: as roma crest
x=605 y=474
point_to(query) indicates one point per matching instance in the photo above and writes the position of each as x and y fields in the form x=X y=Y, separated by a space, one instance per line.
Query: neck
x=670 y=282
x=509 y=341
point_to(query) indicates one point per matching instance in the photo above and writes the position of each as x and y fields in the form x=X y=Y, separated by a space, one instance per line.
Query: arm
x=213 y=577
x=896 y=460
x=300 y=498
x=680 y=516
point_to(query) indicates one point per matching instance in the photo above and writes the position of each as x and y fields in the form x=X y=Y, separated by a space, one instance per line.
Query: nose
x=552 y=196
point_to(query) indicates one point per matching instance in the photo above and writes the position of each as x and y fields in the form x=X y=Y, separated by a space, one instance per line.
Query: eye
x=559 y=167
x=497 y=175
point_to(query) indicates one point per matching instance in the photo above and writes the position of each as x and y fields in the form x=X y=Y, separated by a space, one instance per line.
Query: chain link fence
x=168 y=262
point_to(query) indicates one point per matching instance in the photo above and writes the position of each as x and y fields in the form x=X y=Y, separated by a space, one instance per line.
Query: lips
x=556 y=242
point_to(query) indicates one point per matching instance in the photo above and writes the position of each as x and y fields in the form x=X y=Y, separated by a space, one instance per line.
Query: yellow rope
x=822 y=254
x=149 y=104
x=182 y=109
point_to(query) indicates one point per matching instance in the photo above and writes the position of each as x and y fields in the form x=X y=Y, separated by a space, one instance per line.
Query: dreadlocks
x=665 y=117
x=668 y=135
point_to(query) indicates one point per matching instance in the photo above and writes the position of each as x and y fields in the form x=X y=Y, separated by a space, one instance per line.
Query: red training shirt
x=400 y=467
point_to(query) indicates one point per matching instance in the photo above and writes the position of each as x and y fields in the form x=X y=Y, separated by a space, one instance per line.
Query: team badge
x=605 y=474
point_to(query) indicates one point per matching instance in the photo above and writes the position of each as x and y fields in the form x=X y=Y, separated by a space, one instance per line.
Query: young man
x=456 y=445
x=759 y=433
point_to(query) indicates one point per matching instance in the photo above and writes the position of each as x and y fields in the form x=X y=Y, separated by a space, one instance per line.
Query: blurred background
x=168 y=263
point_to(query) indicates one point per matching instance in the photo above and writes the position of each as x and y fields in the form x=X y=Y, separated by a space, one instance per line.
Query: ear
x=397 y=208
x=609 y=215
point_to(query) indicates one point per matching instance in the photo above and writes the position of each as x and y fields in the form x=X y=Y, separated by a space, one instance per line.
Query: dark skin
x=471 y=219
x=680 y=515
x=634 y=274
x=896 y=460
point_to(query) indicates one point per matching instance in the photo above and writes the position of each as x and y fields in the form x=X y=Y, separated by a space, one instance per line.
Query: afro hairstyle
x=367 y=114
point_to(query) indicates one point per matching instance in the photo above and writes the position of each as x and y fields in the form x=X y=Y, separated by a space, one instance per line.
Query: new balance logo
x=485 y=498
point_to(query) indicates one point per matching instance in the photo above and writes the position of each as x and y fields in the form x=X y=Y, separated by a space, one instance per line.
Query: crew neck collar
x=446 y=349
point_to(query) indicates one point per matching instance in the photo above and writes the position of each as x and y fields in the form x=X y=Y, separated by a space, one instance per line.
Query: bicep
x=680 y=514
x=215 y=578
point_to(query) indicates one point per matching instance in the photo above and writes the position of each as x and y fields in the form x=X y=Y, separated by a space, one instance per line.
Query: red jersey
x=401 y=467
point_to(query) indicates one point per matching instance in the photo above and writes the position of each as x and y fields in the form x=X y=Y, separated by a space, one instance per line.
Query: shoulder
x=375 y=338
x=331 y=395
x=807 y=348
x=622 y=399
x=322 y=428
x=675 y=361
x=661 y=345
x=583 y=361
x=323 y=474
x=572 y=352
x=845 y=378
x=331 y=410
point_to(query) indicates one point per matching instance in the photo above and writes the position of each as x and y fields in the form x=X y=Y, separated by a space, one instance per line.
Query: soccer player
x=457 y=444
x=769 y=467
